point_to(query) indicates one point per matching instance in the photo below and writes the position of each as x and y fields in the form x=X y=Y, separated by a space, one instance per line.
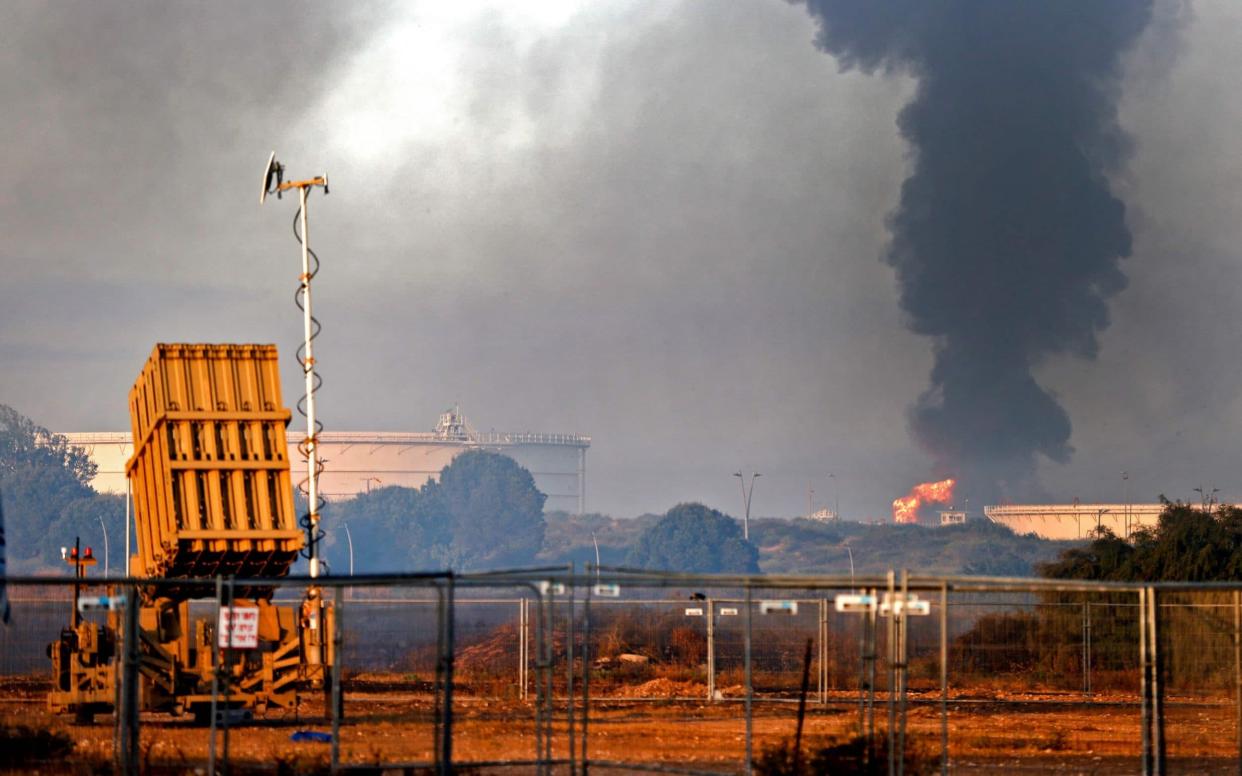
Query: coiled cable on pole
x=313 y=533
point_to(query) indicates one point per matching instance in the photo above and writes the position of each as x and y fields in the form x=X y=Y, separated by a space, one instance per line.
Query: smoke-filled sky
x=668 y=225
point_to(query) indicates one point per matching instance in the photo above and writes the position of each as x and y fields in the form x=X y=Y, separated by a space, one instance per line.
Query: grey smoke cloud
x=1008 y=236
x=656 y=224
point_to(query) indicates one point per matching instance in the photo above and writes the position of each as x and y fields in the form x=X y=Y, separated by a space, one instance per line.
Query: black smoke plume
x=1007 y=239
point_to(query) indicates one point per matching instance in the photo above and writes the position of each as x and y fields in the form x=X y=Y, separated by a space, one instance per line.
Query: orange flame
x=906 y=509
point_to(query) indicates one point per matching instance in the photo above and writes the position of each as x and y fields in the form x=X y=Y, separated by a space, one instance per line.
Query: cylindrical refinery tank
x=210 y=470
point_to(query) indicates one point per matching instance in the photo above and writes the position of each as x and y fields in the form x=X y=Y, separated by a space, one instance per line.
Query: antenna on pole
x=274 y=183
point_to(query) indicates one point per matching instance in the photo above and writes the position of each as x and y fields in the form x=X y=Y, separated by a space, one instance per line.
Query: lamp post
x=851 y=552
x=1125 y=494
x=105 y=533
x=369 y=480
x=596 y=543
x=1208 y=496
x=349 y=538
x=747 y=492
x=1099 y=518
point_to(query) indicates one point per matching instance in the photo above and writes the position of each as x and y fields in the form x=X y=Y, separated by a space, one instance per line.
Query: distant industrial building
x=1075 y=521
x=357 y=461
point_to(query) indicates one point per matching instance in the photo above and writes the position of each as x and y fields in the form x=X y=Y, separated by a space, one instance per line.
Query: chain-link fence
x=615 y=671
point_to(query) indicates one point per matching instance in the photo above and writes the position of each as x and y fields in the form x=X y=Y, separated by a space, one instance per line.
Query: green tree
x=491 y=508
x=693 y=537
x=391 y=530
x=47 y=498
x=1188 y=544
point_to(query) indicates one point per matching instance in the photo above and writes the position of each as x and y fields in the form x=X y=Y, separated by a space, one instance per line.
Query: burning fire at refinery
x=906 y=509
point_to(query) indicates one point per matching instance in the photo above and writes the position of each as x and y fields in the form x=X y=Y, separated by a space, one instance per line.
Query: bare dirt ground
x=389 y=720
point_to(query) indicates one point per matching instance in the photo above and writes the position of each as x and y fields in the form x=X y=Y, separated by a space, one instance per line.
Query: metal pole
x=823 y=650
x=549 y=645
x=850 y=550
x=105 y=537
x=746 y=496
x=129 y=493
x=586 y=675
x=228 y=688
x=750 y=723
x=1144 y=683
x=1086 y=679
x=350 y=538
x=1157 y=679
x=872 y=655
x=892 y=676
x=1237 y=671
x=862 y=673
x=569 y=671
x=711 y=650
x=129 y=686
x=521 y=667
x=944 y=679
x=446 y=742
x=538 y=683
x=215 y=679
x=903 y=669
x=1086 y=666
x=338 y=668
x=308 y=369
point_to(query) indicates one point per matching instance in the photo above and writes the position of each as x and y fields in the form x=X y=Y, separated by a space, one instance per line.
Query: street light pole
x=1125 y=494
x=1208 y=496
x=746 y=494
x=596 y=543
x=105 y=533
x=851 y=552
x=1099 y=519
x=349 y=538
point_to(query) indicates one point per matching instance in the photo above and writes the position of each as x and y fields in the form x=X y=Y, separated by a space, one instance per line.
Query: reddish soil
x=390 y=719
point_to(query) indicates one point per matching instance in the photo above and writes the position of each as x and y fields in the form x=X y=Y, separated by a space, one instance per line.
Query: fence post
x=127 y=719
x=903 y=671
x=944 y=678
x=872 y=636
x=1086 y=645
x=446 y=743
x=749 y=689
x=538 y=680
x=823 y=650
x=549 y=647
x=569 y=670
x=225 y=659
x=522 y=662
x=862 y=676
x=1157 y=679
x=1144 y=683
x=892 y=676
x=711 y=650
x=215 y=679
x=1237 y=670
x=338 y=667
x=586 y=676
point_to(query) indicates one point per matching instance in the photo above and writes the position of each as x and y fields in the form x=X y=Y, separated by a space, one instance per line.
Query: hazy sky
x=656 y=223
